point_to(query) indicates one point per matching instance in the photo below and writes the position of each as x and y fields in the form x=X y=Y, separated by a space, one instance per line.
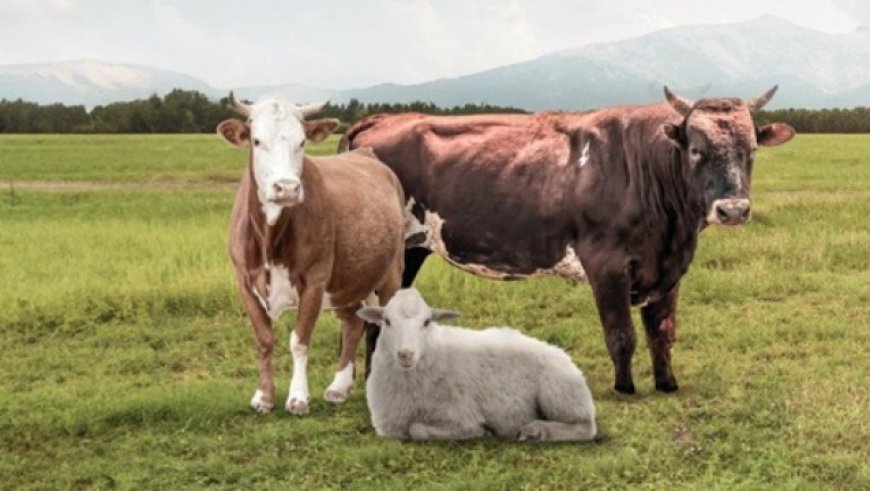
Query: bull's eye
x=695 y=153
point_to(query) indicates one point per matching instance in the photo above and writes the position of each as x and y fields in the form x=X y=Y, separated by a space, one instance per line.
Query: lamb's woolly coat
x=469 y=383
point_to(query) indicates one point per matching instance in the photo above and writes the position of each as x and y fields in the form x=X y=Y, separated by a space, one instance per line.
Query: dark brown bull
x=616 y=196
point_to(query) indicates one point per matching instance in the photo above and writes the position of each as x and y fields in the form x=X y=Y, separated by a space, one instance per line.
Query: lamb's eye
x=256 y=142
x=302 y=144
x=427 y=322
x=387 y=322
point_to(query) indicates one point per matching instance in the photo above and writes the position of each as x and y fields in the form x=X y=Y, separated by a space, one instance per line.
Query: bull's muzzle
x=733 y=211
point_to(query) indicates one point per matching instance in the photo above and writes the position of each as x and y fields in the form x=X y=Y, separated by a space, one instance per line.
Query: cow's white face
x=407 y=324
x=277 y=133
x=277 y=152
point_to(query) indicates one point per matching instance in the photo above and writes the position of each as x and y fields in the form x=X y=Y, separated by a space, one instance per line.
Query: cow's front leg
x=261 y=324
x=612 y=296
x=310 y=300
x=660 y=321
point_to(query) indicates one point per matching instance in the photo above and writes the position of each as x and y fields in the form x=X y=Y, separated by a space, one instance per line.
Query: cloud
x=33 y=9
x=858 y=10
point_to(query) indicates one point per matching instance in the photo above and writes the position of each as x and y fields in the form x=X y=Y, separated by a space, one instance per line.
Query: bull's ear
x=771 y=135
x=375 y=315
x=674 y=132
x=316 y=131
x=235 y=132
x=444 y=315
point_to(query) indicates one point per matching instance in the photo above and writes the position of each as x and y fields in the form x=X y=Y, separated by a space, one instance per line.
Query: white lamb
x=437 y=382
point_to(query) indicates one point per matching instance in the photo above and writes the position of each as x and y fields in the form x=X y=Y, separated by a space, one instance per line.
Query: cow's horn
x=313 y=108
x=681 y=105
x=243 y=109
x=759 y=102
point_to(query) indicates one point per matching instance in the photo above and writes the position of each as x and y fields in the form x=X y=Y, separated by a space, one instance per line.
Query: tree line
x=183 y=111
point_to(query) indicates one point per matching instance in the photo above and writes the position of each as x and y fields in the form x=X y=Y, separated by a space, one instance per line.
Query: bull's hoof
x=667 y=386
x=625 y=388
x=297 y=407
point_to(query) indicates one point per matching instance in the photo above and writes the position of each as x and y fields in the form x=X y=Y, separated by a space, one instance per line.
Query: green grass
x=126 y=361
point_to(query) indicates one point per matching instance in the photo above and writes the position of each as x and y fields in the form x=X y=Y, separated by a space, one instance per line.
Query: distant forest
x=182 y=111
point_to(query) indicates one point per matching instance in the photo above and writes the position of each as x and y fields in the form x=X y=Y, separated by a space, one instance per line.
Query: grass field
x=126 y=361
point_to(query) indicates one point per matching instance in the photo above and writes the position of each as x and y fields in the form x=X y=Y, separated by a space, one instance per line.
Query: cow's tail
x=346 y=141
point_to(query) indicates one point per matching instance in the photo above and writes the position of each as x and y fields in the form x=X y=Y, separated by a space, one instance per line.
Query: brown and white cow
x=616 y=197
x=310 y=233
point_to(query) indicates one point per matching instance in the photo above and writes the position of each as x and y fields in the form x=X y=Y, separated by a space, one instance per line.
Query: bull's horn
x=243 y=109
x=681 y=105
x=312 y=109
x=759 y=102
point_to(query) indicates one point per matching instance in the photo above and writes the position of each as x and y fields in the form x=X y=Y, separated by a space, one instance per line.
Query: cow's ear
x=771 y=135
x=674 y=133
x=375 y=315
x=235 y=132
x=316 y=131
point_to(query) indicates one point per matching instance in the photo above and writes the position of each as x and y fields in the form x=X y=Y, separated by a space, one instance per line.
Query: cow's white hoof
x=336 y=396
x=298 y=407
x=260 y=403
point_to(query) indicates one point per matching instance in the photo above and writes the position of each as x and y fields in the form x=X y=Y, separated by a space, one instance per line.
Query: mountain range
x=813 y=69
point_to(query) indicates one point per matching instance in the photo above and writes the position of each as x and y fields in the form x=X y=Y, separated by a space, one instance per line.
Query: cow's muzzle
x=733 y=211
x=287 y=192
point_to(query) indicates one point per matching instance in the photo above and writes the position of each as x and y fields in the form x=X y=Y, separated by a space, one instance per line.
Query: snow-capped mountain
x=91 y=82
x=812 y=68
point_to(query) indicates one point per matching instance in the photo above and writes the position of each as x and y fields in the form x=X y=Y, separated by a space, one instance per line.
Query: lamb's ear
x=444 y=315
x=375 y=315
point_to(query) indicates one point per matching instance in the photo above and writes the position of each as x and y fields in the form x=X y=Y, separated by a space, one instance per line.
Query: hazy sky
x=342 y=44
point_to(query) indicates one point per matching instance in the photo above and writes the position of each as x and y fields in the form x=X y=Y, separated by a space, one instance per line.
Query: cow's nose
x=287 y=189
x=406 y=356
x=732 y=211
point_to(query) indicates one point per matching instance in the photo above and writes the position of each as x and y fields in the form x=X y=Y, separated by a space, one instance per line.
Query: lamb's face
x=407 y=324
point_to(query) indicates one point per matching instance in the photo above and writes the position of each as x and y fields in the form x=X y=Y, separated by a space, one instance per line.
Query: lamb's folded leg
x=556 y=431
x=423 y=431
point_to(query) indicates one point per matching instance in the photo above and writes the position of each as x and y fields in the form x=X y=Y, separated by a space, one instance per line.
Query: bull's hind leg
x=264 y=397
x=660 y=321
x=310 y=301
x=351 y=333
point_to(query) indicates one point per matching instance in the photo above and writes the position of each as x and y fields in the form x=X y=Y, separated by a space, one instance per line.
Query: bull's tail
x=346 y=142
